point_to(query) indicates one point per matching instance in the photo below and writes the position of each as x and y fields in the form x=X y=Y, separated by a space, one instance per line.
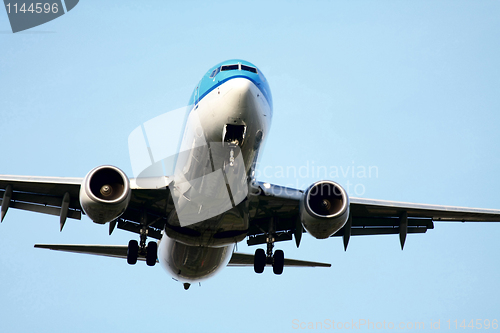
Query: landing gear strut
x=150 y=252
x=261 y=258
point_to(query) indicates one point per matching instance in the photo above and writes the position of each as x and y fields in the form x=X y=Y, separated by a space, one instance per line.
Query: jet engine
x=105 y=193
x=324 y=209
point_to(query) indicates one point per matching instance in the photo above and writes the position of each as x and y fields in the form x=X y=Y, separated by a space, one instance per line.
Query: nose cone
x=248 y=93
x=237 y=87
x=238 y=101
x=241 y=98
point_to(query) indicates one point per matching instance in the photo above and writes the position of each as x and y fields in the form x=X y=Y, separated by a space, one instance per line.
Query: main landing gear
x=150 y=252
x=262 y=258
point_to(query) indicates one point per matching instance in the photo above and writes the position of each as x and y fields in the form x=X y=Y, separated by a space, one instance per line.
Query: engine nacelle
x=324 y=209
x=105 y=193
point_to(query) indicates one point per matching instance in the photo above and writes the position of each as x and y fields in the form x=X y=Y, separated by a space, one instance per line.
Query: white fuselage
x=192 y=250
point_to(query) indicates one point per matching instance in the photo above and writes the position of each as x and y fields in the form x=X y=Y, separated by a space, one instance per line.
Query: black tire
x=151 y=253
x=259 y=261
x=132 y=252
x=278 y=262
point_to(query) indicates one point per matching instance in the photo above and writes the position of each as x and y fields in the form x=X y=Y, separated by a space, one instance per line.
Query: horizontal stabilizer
x=243 y=259
x=120 y=251
x=114 y=251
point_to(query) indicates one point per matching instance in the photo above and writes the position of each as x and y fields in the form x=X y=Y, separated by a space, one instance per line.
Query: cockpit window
x=215 y=72
x=249 y=69
x=229 y=67
x=234 y=67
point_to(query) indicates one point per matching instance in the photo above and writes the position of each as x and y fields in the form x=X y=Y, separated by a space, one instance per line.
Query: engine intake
x=324 y=209
x=105 y=193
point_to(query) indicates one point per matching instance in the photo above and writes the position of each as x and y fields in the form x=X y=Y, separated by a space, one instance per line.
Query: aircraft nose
x=235 y=102
x=243 y=84
x=244 y=94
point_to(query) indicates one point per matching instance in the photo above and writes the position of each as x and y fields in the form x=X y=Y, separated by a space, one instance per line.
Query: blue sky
x=408 y=87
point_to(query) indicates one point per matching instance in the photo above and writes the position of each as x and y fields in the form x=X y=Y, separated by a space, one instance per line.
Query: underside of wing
x=48 y=195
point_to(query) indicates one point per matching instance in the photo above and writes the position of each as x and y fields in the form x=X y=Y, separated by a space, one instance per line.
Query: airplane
x=210 y=200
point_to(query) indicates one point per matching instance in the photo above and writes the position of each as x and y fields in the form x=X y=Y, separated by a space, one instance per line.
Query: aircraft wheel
x=132 y=252
x=151 y=253
x=259 y=261
x=278 y=262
